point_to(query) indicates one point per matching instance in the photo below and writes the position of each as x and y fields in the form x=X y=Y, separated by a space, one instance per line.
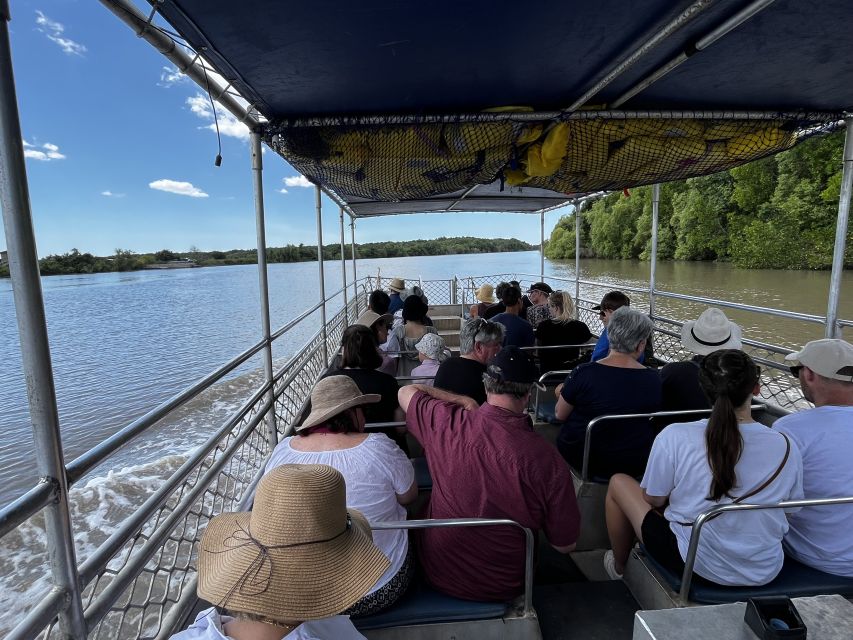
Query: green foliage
x=778 y=212
x=126 y=260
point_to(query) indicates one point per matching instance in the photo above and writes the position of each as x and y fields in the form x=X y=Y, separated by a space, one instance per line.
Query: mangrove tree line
x=775 y=213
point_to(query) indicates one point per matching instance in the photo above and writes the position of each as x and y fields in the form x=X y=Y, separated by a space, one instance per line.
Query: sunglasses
x=795 y=370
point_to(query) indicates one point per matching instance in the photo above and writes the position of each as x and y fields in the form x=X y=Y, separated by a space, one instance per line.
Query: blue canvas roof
x=328 y=59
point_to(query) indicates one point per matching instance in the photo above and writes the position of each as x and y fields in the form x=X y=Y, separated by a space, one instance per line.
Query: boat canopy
x=467 y=105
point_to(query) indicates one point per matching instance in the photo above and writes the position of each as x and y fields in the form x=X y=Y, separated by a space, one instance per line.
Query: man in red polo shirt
x=487 y=462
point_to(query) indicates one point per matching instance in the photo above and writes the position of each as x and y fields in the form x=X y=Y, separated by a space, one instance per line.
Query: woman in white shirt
x=379 y=477
x=696 y=465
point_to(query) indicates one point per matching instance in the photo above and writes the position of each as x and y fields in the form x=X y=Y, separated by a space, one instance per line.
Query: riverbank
x=75 y=262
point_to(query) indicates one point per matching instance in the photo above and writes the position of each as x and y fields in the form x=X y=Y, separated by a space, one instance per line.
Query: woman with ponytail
x=695 y=465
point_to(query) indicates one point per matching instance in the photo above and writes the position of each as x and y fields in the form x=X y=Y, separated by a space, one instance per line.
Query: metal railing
x=529 y=540
x=145 y=567
x=587 y=442
x=703 y=518
x=137 y=582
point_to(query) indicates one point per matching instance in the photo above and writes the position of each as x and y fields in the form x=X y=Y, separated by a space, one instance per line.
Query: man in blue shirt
x=519 y=332
x=395 y=302
x=609 y=303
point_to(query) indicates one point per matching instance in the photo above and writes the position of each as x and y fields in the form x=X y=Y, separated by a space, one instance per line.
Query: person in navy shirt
x=519 y=332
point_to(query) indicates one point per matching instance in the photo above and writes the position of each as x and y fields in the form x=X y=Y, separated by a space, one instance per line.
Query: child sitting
x=431 y=353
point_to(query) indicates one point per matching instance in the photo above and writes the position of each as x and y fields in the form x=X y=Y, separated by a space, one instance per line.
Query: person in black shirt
x=359 y=359
x=479 y=341
x=711 y=331
x=561 y=328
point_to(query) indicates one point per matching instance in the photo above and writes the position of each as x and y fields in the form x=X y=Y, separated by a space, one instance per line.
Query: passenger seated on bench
x=360 y=361
x=485 y=296
x=611 y=301
x=487 y=462
x=479 y=341
x=696 y=465
x=710 y=332
x=561 y=328
x=404 y=337
x=499 y=306
x=617 y=384
x=822 y=537
x=431 y=353
x=380 y=478
x=287 y=567
x=518 y=330
x=380 y=325
x=378 y=302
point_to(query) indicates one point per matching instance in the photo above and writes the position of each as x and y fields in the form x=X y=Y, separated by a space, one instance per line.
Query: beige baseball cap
x=830 y=358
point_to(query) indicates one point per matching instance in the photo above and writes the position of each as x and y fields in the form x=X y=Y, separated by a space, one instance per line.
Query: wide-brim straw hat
x=369 y=318
x=711 y=331
x=300 y=554
x=486 y=293
x=332 y=395
x=397 y=285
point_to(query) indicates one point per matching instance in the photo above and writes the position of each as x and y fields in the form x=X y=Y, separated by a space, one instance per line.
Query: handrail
x=384 y=425
x=475 y=522
x=628 y=416
x=39 y=617
x=27 y=505
x=94 y=456
x=98 y=609
x=705 y=516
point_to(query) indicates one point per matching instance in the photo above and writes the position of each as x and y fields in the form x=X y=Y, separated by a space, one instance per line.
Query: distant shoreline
x=75 y=262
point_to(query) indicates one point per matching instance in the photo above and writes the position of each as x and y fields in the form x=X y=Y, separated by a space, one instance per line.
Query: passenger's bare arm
x=563 y=409
x=655 y=501
x=410 y=495
x=405 y=395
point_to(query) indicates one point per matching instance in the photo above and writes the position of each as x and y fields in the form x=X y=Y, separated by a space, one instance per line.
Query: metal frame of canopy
x=65 y=600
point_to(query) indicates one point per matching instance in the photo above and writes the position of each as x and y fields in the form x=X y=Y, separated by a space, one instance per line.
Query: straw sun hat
x=486 y=293
x=300 y=554
x=333 y=395
x=397 y=285
x=711 y=331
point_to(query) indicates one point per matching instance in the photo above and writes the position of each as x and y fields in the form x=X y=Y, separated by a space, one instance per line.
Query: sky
x=120 y=153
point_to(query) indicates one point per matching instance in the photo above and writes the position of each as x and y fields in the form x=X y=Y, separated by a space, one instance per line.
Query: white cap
x=830 y=358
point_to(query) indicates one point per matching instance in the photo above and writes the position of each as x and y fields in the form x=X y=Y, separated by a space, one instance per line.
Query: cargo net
x=397 y=162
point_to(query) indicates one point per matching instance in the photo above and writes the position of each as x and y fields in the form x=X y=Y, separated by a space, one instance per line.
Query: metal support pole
x=35 y=348
x=832 y=328
x=577 y=259
x=352 y=255
x=322 y=274
x=542 y=245
x=344 y=273
x=263 y=283
x=654 y=256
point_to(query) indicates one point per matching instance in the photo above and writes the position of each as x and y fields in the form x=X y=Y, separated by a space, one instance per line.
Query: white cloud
x=175 y=186
x=170 y=76
x=110 y=194
x=228 y=124
x=283 y=191
x=45 y=153
x=54 y=30
x=297 y=181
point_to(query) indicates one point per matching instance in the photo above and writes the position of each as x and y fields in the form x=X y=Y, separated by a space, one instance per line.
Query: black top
x=551 y=332
x=463 y=376
x=681 y=389
x=373 y=381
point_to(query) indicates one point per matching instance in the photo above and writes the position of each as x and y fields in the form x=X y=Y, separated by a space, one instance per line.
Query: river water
x=122 y=343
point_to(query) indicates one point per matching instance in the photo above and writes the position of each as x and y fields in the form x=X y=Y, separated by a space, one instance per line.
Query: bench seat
x=795 y=580
x=424 y=605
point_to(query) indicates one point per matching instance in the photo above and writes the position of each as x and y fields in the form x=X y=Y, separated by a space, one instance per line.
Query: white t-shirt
x=208 y=626
x=735 y=548
x=375 y=471
x=822 y=537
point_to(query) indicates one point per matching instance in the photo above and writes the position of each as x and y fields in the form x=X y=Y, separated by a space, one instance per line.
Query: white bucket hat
x=432 y=346
x=830 y=358
x=711 y=331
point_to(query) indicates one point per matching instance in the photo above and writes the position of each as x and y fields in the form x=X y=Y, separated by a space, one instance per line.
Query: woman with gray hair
x=617 y=384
